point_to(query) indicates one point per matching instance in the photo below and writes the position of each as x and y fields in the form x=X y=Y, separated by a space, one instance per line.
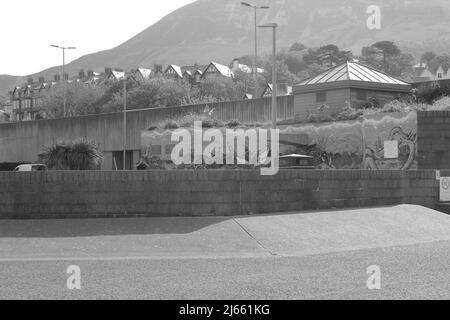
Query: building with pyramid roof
x=349 y=82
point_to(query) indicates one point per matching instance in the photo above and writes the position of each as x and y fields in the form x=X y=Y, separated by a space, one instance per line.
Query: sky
x=29 y=27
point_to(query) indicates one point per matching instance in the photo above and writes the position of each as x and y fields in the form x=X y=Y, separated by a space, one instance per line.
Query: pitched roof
x=246 y=69
x=118 y=74
x=145 y=73
x=175 y=68
x=355 y=72
x=222 y=69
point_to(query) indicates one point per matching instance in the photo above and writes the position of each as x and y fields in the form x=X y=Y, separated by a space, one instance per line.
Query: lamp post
x=274 y=72
x=255 y=64
x=124 y=79
x=64 y=73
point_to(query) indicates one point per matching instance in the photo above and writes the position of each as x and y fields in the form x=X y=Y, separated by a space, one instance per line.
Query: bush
x=80 y=154
x=430 y=94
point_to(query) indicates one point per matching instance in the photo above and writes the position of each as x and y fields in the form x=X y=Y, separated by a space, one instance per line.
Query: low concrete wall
x=197 y=193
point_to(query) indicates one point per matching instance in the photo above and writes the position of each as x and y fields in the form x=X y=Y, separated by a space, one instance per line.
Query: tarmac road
x=319 y=255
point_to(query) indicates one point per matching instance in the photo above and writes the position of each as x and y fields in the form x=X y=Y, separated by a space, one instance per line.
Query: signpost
x=444 y=189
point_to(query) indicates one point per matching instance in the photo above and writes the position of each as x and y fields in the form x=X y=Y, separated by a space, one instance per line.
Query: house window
x=321 y=96
x=439 y=75
x=361 y=95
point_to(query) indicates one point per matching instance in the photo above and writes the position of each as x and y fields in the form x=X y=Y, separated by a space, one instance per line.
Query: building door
x=118 y=160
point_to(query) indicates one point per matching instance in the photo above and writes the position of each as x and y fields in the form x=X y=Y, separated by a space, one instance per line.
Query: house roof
x=222 y=69
x=177 y=70
x=145 y=73
x=246 y=69
x=354 y=72
x=191 y=70
x=118 y=74
x=282 y=89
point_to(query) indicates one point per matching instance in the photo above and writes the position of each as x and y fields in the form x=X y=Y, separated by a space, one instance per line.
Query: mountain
x=220 y=30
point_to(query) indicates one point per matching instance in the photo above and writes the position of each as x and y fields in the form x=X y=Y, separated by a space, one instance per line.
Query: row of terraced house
x=27 y=99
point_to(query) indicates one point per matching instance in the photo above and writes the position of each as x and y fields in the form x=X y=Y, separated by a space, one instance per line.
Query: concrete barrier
x=199 y=193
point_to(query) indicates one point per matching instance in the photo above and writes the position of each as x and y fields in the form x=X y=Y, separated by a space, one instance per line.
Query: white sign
x=391 y=149
x=445 y=189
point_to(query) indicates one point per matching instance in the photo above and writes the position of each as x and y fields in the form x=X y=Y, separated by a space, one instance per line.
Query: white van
x=31 y=167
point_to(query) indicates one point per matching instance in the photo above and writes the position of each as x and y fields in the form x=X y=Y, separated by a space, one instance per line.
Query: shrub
x=80 y=154
x=233 y=123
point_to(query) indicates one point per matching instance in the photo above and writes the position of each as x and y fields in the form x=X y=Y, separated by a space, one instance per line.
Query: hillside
x=220 y=30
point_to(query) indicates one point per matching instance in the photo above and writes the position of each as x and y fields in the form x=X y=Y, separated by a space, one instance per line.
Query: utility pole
x=64 y=73
x=255 y=61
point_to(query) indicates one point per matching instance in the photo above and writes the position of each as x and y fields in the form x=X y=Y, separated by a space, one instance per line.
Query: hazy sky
x=29 y=27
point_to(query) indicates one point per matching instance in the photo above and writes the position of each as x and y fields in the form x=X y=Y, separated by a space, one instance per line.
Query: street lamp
x=274 y=72
x=124 y=79
x=255 y=66
x=63 y=73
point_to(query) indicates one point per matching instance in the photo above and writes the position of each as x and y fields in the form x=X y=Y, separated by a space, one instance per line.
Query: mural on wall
x=359 y=144
x=355 y=144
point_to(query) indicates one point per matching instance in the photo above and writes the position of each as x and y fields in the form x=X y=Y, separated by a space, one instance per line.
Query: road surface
x=317 y=255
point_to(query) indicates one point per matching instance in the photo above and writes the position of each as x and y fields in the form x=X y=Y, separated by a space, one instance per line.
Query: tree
x=154 y=93
x=80 y=100
x=427 y=57
x=80 y=154
x=297 y=47
x=386 y=49
x=221 y=88
x=329 y=56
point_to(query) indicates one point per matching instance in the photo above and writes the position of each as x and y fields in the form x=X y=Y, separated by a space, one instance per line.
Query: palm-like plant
x=80 y=154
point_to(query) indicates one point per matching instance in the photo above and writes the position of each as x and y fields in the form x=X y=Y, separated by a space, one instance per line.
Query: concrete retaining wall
x=197 y=193
x=22 y=141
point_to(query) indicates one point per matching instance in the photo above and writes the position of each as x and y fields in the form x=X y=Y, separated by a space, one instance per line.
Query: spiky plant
x=80 y=154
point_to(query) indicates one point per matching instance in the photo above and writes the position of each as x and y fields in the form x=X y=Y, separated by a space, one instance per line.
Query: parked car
x=296 y=161
x=31 y=167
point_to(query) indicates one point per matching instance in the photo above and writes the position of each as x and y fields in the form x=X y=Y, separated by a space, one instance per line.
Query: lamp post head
x=268 y=25
x=253 y=6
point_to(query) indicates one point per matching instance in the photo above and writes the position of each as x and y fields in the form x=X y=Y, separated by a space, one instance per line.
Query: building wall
x=305 y=104
x=434 y=139
x=22 y=141
x=209 y=192
x=382 y=97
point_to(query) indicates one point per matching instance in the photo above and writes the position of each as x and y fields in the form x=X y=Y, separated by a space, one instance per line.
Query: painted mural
x=358 y=144
x=355 y=144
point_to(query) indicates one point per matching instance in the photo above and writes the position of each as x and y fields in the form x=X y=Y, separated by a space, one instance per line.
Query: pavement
x=315 y=255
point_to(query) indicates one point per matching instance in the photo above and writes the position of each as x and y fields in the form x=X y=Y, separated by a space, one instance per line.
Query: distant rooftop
x=352 y=71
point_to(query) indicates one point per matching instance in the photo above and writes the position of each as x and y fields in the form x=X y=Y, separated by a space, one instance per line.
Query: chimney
x=90 y=73
x=41 y=80
x=81 y=74
x=235 y=64
x=57 y=77
x=108 y=71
